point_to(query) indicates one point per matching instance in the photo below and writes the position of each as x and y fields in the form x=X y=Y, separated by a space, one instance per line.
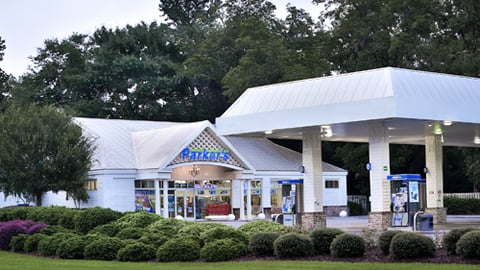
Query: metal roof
x=407 y=101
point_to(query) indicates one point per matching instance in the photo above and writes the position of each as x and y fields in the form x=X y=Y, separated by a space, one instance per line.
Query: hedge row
x=459 y=206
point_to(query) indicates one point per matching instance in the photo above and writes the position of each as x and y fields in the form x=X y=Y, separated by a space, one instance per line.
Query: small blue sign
x=290 y=181
x=368 y=166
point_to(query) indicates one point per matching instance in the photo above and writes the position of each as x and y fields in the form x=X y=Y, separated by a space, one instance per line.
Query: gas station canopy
x=409 y=103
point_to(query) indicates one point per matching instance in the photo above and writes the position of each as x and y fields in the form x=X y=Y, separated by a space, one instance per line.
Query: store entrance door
x=185 y=203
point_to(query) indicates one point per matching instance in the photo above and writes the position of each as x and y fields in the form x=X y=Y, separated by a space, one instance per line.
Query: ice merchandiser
x=289 y=196
x=408 y=197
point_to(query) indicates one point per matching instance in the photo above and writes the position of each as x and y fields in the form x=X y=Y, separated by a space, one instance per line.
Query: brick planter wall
x=439 y=215
x=312 y=219
x=379 y=221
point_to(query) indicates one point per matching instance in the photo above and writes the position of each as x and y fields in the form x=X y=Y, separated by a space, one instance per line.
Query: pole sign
x=205 y=154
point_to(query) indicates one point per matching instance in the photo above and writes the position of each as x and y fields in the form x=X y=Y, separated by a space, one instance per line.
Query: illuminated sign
x=205 y=154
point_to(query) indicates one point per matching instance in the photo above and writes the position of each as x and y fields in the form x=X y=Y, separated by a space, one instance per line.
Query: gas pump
x=408 y=197
x=289 y=198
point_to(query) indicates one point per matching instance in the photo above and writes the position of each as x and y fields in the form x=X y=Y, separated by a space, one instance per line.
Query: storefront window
x=256 y=191
x=276 y=197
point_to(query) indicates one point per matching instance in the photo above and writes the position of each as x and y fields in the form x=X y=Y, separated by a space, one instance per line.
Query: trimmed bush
x=72 y=247
x=156 y=240
x=136 y=252
x=409 y=245
x=223 y=250
x=17 y=242
x=130 y=233
x=355 y=209
x=139 y=219
x=166 y=226
x=53 y=229
x=13 y=213
x=104 y=248
x=48 y=246
x=256 y=226
x=90 y=218
x=179 y=250
x=13 y=228
x=195 y=229
x=385 y=239
x=31 y=243
x=292 y=245
x=451 y=238
x=261 y=243
x=460 y=206
x=223 y=233
x=52 y=215
x=347 y=245
x=109 y=229
x=322 y=238
x=468 y=246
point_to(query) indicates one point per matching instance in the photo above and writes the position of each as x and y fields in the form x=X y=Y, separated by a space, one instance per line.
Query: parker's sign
x=205 y=154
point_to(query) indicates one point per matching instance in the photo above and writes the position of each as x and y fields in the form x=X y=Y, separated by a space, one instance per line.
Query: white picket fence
x=470 y=195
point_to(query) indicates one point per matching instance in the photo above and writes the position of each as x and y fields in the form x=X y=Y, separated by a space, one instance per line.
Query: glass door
x=185 y=203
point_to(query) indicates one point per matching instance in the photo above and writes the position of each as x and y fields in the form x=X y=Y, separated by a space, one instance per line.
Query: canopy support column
x=312 y=214
x=434 y=165
x=379 y=155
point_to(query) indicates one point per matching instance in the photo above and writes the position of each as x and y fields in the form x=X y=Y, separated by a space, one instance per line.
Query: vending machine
x=408 y=197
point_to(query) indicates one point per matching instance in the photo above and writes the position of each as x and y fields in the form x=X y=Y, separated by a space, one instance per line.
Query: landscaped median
x=103 y=234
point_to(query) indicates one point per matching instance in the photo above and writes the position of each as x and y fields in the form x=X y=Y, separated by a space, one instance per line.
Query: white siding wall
x=335 y=196
x=119 y=193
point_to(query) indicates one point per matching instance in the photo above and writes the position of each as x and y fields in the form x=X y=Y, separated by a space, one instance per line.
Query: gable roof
x=379 y=94
x=265 y=155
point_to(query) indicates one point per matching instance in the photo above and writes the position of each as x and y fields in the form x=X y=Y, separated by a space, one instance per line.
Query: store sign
x=205 y=154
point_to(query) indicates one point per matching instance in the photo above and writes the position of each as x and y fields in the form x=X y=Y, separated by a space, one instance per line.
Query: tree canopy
x=42 y=150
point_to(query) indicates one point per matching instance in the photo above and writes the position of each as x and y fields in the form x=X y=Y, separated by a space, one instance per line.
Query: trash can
x=277 y=218
x=425 y=222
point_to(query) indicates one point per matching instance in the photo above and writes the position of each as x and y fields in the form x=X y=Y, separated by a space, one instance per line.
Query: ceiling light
x=268 y=132
x=447 y=123
x=476 y=140
x=437 y=129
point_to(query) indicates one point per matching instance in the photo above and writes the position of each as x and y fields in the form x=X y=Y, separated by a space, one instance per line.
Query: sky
x=26 y=24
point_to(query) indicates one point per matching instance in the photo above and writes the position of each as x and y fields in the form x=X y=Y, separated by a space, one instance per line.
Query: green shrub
x=409 y=245
x=139 y=219
x=322 y=238
x=18 y=242
x=385 y=239
x=48 y=246
x=223 y=250
x=72 y=248
x=166 y=226
x=130 y=233
x=156 y=240
x=179 y=250
x=53 y=229
x=13 y=213
x=89 y=218
x=67 y=219
x=195 y=229
x=223 y=233
x=109 y=229
x=293 y=245
x=31 y=243
x=104 y=248
x=347 y=245
x=459 y=206
x=451 y=238
x=261 y=243
x=52 y=215
x=355 y=209
x=256 y=226
x=468 y=246
x=136 y=252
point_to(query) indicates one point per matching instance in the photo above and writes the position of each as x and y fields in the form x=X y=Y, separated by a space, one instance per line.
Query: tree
x=4 y=78
x=42 y=150
x=472 y=166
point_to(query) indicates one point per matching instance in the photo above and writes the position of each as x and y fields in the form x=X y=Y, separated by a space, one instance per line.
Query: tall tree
x=42 y=150
x=4 y=78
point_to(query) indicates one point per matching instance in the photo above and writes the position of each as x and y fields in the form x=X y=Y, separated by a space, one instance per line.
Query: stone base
x=379 y=221
x=439 y=215
x=312 y=220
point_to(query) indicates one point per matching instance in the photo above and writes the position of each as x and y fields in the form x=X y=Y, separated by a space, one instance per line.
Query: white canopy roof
x=408 y=102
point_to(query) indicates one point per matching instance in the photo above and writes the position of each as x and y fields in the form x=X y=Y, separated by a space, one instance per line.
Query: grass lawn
x=24 y=262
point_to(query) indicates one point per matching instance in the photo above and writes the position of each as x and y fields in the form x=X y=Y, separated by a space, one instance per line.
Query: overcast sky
x=25 y=24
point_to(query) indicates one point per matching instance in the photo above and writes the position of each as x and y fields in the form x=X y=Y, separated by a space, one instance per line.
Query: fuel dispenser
x=408 y=198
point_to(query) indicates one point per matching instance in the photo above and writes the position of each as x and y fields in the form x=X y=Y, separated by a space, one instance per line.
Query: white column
x=312 y=179
x=157 y=197
x=434 y=164
x=165 y=198
x=266 y=193
x=249 y=199
x=379 y=156
x=242 y=200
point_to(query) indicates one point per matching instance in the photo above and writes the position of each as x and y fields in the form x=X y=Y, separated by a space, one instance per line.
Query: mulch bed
x=375 y=255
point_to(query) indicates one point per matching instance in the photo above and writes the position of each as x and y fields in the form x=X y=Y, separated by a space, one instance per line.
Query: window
x=91 y=184
x=331 y=183
x=144 y=184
